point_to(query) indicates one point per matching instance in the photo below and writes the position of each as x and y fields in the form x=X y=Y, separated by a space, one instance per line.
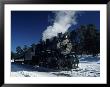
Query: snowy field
x=88 y=67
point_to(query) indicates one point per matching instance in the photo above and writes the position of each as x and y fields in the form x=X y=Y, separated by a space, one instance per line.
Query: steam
x=62 y=22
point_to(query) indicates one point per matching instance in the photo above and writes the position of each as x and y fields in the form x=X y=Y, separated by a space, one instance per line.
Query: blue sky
x=27 y=26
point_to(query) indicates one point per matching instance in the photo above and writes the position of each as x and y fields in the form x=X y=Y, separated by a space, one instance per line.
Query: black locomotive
x=55 y=53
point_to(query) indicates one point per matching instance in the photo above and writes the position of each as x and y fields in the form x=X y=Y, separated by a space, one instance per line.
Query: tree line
x=85 y=40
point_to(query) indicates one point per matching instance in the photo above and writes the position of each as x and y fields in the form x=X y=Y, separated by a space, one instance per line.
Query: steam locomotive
x=55 y=53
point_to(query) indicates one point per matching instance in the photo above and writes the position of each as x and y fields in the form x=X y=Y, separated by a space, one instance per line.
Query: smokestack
x=62 y=22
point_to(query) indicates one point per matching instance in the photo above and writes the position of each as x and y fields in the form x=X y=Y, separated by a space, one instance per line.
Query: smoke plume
x=62 y=22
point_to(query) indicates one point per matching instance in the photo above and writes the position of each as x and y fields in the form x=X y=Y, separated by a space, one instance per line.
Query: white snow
x=18 y=70
x=88 y=67
x=84 y=70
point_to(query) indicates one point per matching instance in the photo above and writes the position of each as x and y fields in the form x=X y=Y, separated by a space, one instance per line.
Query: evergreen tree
x=19 y=50
x=25 y=48
x=91 y=40
x=86 y=40
x=13 y=55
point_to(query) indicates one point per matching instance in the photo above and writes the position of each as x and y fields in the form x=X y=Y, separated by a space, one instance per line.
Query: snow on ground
x=84 y=70
x=18 y=70
x=88 y=67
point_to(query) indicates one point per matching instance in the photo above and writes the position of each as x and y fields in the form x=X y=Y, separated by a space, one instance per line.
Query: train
x=55 y=53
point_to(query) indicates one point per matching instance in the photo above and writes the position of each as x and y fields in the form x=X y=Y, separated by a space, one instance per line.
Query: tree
x=92 y=40
x=80 y=32
x=25 y=48
x=19 y=50
x=13 y=55
x=86 y=39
